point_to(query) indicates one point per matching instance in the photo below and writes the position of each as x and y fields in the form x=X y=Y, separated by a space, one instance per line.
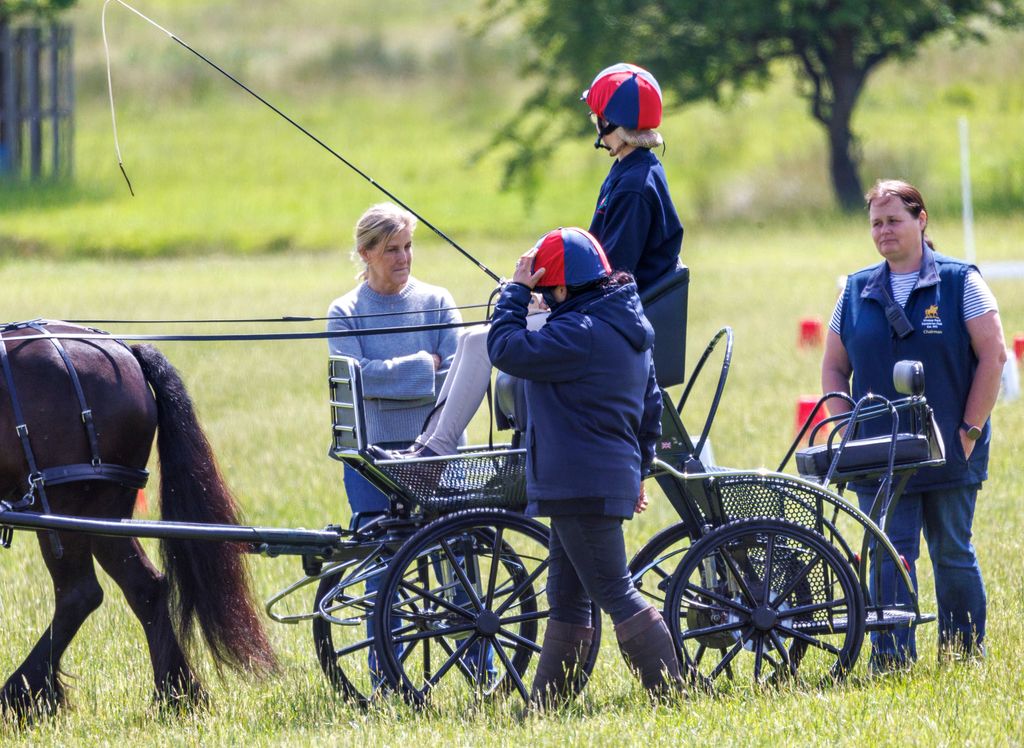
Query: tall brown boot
x=645 y=641
x=560 y=667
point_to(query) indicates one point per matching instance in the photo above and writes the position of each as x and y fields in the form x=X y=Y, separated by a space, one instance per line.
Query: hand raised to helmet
x=524 y=270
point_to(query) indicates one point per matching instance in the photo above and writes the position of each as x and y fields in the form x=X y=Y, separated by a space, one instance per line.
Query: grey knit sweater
x=400 y=385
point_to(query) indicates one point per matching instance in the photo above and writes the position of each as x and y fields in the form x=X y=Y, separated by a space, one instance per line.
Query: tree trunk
x=847 y=79
x=843 y=163
x=4 y=135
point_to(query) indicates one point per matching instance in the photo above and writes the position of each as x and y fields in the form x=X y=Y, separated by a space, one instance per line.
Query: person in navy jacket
x=918 y=304
x=634 y=219
x=594 y=416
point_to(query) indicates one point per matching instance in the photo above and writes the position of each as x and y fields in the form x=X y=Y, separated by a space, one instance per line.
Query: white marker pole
x=965 y=191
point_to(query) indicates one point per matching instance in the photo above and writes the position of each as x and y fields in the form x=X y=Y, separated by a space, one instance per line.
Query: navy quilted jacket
x=594 y=408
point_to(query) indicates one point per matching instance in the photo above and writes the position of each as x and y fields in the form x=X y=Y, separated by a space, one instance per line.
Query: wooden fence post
x=10 y=156
x=36 y=93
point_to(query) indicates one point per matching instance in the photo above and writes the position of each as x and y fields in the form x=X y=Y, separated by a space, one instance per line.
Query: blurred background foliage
x=415 y=94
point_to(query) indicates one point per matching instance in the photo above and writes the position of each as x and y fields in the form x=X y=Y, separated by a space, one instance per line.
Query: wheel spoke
x=462 y=659
x=796 y=634
x=766 y=587
x=738 y=576
x=699 y=654
x=814 y=608
x=492 y=578
x=798 y=578
x=461 y=573
x=524 y=617
x=361 y=644
x=435 y=633
x=527 y=583
x=783 y=652
x=707 y=630
x=758 y=656
x=437 y=600
x=727 y=658
x=705 y=592
x=511 y=670
x=407 y=651
x=454 y=657
x=521 y=640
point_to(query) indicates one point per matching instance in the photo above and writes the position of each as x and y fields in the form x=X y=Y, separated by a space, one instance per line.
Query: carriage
x=765 y=576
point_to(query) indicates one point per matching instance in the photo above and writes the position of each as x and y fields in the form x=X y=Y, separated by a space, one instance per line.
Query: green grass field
x=238 y=216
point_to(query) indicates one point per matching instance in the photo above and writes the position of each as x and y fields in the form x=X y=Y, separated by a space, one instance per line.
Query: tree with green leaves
x=12 y=9
x=713 y=49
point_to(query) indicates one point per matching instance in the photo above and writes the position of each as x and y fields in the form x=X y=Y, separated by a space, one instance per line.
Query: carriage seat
x=665 y=305
x=509 y=402
x=864 y=458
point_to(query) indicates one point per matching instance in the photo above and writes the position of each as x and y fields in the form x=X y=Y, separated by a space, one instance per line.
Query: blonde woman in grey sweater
x=402 y=372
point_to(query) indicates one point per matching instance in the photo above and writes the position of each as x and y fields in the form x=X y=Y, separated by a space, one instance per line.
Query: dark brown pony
x=133 y=393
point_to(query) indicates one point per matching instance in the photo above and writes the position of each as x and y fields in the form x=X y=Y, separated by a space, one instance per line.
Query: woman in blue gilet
x=941 y=313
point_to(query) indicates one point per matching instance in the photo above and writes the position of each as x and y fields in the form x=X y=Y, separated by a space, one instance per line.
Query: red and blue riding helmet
x=625 y=95
x=570 y=257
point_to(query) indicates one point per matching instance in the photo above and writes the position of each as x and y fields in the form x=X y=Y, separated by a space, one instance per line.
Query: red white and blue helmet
x=570 y=257
x=625 y=95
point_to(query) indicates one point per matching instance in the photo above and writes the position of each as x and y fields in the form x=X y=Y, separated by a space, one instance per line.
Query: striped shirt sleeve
x=835 y=324
x=978 y=298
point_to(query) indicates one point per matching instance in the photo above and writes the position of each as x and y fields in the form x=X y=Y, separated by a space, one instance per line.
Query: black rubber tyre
x=466 y=595
x=759 y=598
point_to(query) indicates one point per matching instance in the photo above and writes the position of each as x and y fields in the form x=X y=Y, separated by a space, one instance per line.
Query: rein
x=233 y=337
x=288 y=318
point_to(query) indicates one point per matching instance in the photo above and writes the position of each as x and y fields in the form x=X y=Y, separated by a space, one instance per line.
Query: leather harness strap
x=128 y=477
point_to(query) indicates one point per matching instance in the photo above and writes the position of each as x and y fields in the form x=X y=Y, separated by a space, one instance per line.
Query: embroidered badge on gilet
x=932 y=322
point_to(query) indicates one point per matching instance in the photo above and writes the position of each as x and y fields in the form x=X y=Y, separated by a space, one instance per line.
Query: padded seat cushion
x=863 y=456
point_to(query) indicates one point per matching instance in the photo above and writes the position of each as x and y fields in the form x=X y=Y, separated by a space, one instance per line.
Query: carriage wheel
x=760 y=598
x=342 y=633
x=465 y=596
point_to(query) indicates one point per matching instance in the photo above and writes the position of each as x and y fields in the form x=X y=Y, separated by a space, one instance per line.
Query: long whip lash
x=289 y=120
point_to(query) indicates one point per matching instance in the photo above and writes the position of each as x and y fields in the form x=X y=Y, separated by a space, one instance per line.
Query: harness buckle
x=87 y=416
x=35 y=480
x=6 y=536
x=22 y=429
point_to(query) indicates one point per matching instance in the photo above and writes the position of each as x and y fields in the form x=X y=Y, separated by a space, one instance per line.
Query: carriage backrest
x=348 y=423
x=509 y=402
x=665 y=305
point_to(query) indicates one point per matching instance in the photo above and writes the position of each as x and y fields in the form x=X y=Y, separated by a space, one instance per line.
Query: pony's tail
x=207 y=579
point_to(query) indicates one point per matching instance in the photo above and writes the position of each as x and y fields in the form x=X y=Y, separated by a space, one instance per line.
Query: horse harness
x=37 y=478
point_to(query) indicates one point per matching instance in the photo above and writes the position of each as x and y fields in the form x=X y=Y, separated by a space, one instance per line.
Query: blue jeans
x=946 y=517
x=587 y=556
x=367 y=503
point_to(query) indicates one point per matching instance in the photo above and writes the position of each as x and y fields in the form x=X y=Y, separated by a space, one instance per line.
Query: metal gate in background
x=36 y=102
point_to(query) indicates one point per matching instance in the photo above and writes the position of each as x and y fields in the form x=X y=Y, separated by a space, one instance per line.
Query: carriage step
x=894 y=618
x=876 y=620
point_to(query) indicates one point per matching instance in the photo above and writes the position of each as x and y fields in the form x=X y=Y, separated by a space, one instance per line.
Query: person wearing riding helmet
x=635 y=219
x=595 y=414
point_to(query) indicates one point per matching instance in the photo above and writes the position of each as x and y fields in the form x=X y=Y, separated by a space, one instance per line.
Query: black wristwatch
x=973 y=432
